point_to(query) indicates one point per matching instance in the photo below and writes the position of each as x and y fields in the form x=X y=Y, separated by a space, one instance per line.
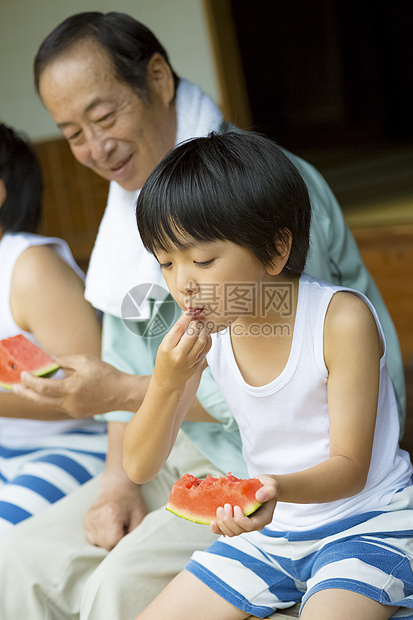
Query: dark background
x=323 y=74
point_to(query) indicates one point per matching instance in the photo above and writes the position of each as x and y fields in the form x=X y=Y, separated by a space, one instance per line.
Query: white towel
x=119 y=261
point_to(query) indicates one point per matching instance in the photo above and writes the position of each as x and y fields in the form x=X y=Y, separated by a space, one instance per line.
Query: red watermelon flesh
x=197 y=500
x=18 y=354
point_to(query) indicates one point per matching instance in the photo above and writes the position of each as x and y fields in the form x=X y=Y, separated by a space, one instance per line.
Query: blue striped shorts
x=36 y=475
x=371 y=554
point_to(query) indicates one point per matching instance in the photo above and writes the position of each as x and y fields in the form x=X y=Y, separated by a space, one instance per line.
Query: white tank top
x=284 y=425
x=16 y=431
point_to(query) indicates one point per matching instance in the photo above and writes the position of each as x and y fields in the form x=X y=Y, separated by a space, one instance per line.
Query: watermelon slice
x=18 y=354
x=197 y=500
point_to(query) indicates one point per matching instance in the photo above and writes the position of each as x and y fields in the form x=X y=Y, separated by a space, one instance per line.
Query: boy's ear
x=3 y=193
x=280 y=260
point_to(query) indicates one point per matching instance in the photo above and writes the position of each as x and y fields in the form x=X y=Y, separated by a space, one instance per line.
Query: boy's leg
x=334 y=604
x=188 y=598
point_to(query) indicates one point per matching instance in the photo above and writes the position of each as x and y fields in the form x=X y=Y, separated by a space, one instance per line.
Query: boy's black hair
x=22 y=176
x=239 y=187
x=128 y=43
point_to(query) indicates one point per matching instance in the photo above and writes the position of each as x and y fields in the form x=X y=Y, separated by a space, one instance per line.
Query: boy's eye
x=204 y=263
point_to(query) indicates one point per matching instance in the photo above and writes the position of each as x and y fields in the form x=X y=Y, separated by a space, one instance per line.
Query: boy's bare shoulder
x=348 y=307
x=349 y=322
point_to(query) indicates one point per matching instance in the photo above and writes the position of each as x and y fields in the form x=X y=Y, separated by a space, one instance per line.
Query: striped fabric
x=263 y=571
x=34 y=476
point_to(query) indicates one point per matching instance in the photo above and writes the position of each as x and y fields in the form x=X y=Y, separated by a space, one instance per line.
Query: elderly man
x=108 y=84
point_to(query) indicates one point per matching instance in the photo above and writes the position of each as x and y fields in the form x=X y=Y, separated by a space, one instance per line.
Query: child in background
x=302 y=365
x=44 y=455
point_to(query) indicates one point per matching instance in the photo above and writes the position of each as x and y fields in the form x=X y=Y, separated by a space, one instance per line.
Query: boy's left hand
x=231 y=521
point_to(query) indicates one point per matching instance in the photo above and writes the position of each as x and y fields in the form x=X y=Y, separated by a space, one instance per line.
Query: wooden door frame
x=234 y=98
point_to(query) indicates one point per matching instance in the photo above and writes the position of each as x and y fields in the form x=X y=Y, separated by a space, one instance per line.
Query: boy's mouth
x=197 y=313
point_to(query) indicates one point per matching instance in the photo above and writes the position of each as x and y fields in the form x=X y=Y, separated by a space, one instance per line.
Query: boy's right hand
x=231 y=521
x=181 y=353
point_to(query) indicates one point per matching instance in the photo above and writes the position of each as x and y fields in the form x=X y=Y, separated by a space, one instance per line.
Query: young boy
x=302 y=365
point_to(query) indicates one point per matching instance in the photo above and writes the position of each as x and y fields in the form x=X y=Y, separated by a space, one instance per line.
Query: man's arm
x=92 y=387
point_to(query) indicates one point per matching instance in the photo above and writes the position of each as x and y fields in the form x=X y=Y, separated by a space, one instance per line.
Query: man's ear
x=160 y=79
x=3 y=193
x=284 y=249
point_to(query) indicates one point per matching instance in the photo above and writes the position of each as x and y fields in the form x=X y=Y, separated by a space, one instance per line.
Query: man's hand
x=91 y=387
x=120 y=506
x=231 y=521
x=117 y=511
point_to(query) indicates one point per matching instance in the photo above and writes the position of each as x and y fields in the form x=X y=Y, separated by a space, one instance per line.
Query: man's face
x=110 y=129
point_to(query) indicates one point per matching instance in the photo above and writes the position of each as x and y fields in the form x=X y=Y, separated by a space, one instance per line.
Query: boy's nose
x=191 y=288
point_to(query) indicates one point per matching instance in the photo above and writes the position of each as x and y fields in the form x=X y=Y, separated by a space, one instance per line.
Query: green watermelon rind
x=38 y=372
x=249 y=510
x=197 y=500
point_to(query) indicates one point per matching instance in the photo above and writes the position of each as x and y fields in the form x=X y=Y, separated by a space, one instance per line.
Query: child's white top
x=14 y=431
x=284 y=425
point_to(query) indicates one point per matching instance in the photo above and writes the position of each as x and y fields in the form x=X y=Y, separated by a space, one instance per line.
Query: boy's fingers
x=226 y=522
x=215 y=529
x=194 y=339
x=178 y=330
x=188 y=337
x=197 y=338
x=264 y=494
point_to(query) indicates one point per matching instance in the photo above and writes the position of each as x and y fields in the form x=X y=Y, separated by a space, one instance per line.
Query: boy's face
x=218 y=281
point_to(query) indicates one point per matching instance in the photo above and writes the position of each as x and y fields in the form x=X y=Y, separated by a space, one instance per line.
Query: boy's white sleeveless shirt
x=284 y=424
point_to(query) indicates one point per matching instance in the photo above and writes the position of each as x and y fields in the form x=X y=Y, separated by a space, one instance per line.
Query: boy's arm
x=150 y=435
x=334 y=257
x=352 y=352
